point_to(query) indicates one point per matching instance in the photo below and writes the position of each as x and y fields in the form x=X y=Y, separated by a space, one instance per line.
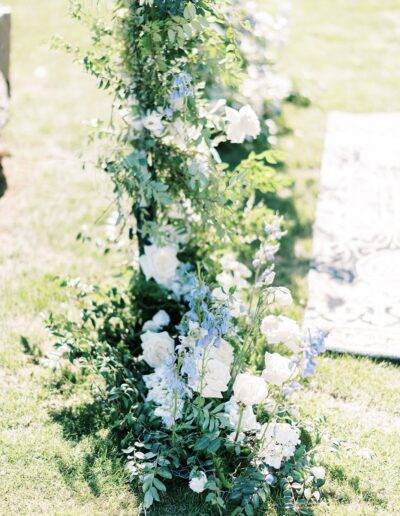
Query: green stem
x=241 y=410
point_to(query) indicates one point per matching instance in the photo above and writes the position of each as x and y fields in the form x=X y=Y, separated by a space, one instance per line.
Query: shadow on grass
x=102 y=464
x=181 y=501
x=373 y=359
x=80 y=421
x=368 y=495
x=289 y=266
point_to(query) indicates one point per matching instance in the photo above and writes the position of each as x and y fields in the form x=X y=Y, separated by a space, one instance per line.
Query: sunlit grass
x=345 y=57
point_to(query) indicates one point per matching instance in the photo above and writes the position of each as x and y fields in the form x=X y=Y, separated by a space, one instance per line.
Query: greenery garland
x=181 y=351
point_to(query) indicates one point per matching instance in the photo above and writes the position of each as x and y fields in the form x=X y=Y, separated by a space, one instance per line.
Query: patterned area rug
x=354 y=283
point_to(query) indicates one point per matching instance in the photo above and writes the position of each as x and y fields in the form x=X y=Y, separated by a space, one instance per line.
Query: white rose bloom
x=152 y=122
x=229 y=262
x=160 y=263
x=157 y=347
x=234 y=303
x=234 y=273
x=280 y=295
x=277 y=369
x=197 y=484
x=234 y=438
x=279 y=441
x=223 y=353
x=268 y=277
x=220 y=295
x=159 y=320
x=213 y=366
x=249 y=421
x=226 y=279
x=215 y=380
x=318 y=472
x=280 y=329
x=170 y=407
x=182 y=134
x=242 y=123
x=232 y=279
x=249 y=389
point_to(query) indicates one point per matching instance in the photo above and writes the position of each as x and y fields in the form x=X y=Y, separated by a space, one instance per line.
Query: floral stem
x=241 y=410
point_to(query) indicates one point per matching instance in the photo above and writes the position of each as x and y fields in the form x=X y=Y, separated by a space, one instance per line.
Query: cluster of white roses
x=207 y=369
x=278 y=441
x=238 y=124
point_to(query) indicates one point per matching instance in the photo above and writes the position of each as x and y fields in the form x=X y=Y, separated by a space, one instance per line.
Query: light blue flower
x=182 y=86
x=314 y=345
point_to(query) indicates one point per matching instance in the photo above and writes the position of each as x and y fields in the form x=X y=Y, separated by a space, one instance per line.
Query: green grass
x=345 y=56
x=55 y=456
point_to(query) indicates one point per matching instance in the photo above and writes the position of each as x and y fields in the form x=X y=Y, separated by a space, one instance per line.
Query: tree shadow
x=339 y=475
x=80 y=421
x=289 y=265
x=89 y=421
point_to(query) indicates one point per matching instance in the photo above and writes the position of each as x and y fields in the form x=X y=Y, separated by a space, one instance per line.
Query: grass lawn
x=55 y=456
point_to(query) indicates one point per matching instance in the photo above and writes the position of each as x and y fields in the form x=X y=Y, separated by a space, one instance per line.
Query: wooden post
x=5 y=32
x=5 y=43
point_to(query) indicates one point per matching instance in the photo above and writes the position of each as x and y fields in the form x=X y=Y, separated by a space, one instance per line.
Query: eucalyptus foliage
x=181 y=348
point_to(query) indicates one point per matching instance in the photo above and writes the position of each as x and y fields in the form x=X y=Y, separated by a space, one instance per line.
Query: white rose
x=249 y=389
x=279 y=441
x=242 y=123
x=280 y=295
x=236 y=307
x=159 y=320
x=214 y=370
x=182 y=134
x=307 y=493
x=280 y=329
x=157 y=347
x=318 y=472
x=229 y=262
x=219 y=295
x=267 y=278
x=277 y=369
x=223 y=352
x=197 y=484
x=216 y=376
x=160 y=263
x=249 y=421
x=152 y=122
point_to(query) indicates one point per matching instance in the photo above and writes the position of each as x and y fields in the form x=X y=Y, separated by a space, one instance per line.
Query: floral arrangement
x=198 y=361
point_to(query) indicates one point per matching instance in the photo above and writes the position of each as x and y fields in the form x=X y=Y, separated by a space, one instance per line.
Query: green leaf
x=171 y=35
x=148 y=500
x=154 y=494
x=202 y=443
x=159 y=485
x=249 y=510
x=214 y=446
x=165 y=473
x=189 y=12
